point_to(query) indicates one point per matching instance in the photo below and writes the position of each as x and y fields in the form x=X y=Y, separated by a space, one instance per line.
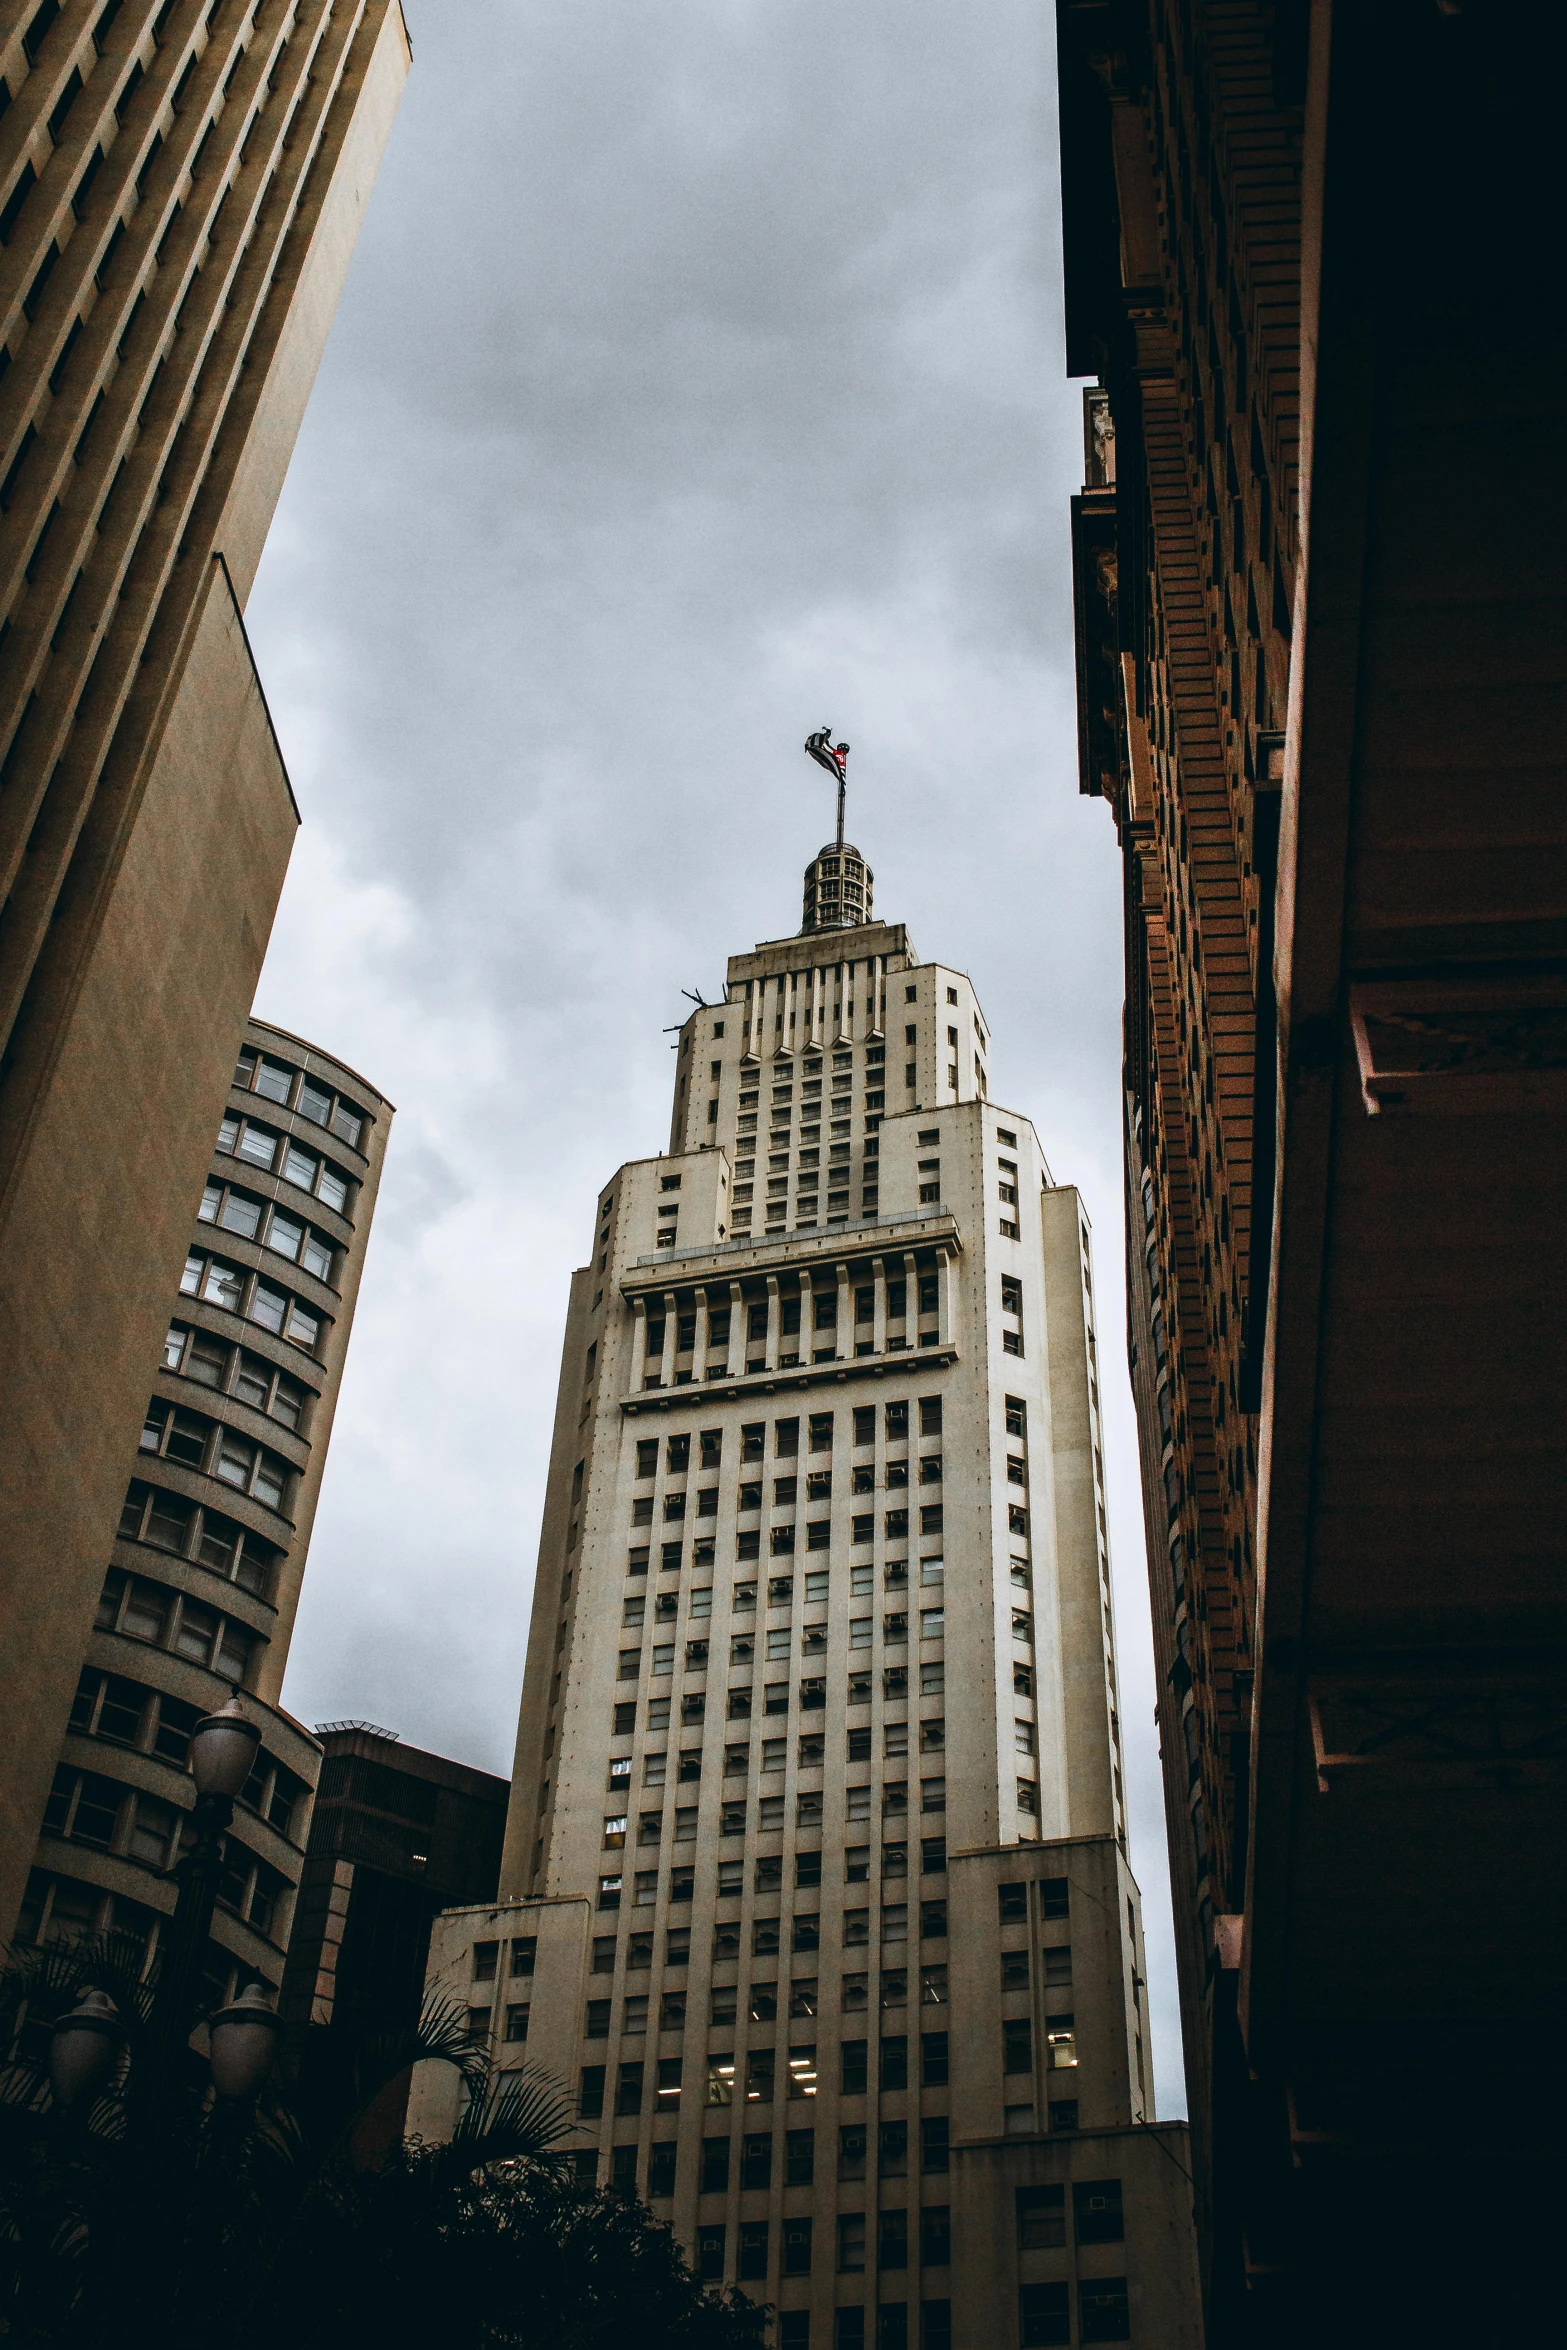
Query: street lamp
x=83 y=2048
x=243 y=2038
x=223 y=1750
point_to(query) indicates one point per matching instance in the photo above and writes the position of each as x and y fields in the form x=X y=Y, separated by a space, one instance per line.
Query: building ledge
x=787 y=1249
x=662 y=1399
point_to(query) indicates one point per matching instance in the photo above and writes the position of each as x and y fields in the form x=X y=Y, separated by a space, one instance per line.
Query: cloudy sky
x=698 y=381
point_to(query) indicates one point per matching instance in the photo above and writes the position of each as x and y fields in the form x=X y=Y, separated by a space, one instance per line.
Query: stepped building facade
x=815 y=1884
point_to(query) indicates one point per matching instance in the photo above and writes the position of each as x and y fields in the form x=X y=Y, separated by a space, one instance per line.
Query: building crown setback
x=819 y=1722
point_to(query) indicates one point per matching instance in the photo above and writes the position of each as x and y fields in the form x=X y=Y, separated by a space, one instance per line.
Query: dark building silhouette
x=1320 y=564
x=396 y=1835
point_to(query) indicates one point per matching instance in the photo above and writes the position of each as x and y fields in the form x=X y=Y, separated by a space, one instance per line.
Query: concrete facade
x=180 y=188
x=816 y=1851
x=206 y=1545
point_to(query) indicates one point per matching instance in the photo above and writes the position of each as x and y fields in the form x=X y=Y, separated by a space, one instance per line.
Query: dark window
x=715 y=2175
x=628 y=2093
x=590 y=2093
x=1096 y=2212
x=1017 y=2045
x=895 y=2061
x=661 y=2168
x=856 y=2067
x=935 y=2235
x=893 y=2239
x=710 y=2245
x=1102 y=2314
x=1054 y=1897
x=1041 y=2218
x=934 y=2155
x=797 y=2248
x=935 y=2325
x=1013 y=1901
x=1046 y=2316
x=753 y=2248
x=933 y=2059
x=799 y=2158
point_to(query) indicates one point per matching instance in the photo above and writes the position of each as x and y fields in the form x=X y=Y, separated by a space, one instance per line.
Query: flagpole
x=842 y=787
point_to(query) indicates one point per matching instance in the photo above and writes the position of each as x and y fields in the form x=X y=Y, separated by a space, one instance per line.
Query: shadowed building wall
x=1321 y=587
x=180 y=189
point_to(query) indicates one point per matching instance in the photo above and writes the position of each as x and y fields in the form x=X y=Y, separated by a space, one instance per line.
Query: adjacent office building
x=199 y=1576
x=815 y=1886
x=1320 y=679
x=181 y=183
x=396 y=1836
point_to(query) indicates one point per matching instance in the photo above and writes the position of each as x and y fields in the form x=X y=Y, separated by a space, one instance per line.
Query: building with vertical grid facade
x=181 y=185
x=815 y=1884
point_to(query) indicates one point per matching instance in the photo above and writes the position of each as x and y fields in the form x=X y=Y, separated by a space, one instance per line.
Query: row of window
x=786 y=1490
x=892 y=2246
x=778 y=1643
x=718 y=2080
x=140 y=1610
x=811 y=1691
x=767 y=1876
x=214 y=1449
x=253 y=1218
x=281 y=1154
x=677 y=1943
x=250 y=1295
x=167 y=1521
x=882 y=2151
x=86 y=1808
x=735 y=1818
x=779 y=1588
x=783 y=1541
x=820 y=1434
x=234 y=1370
x=310 y=1096
x=128 y=1713
x=775 y=1757
x=726 y=2004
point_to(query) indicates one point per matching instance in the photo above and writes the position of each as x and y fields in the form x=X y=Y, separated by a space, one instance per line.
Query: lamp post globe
x=83 y=2049
x=243 y=2037
x=223 y=1749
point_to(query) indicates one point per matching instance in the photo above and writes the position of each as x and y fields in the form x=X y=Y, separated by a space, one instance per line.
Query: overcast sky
x=698 y=381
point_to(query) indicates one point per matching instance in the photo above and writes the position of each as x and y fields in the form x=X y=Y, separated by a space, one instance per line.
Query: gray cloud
x=699 y=378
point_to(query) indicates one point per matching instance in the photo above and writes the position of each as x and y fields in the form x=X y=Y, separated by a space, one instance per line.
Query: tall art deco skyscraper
x=815 y=1884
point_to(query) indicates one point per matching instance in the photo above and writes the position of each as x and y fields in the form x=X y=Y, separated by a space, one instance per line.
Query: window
x=894 y=2072
x=1017 y=2045
x=935 y=2235
x=753 y=2249
x=1061 y=2040
x=628 y=2088
x=796 y=2250
x=934 y=2154
x=1054 y=1897
x=1041 y=2218
x=590 y=2092
x=892 y=2245
x=1045 y=2314
x=851 y=2240
x=1102 y=2313
x=1097 y=2216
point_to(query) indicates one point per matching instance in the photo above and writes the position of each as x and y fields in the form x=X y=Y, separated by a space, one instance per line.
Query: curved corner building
x=204 y=1568
x=816 y=1881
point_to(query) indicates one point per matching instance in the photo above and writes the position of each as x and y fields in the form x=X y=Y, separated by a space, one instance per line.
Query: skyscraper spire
x=837 y=881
